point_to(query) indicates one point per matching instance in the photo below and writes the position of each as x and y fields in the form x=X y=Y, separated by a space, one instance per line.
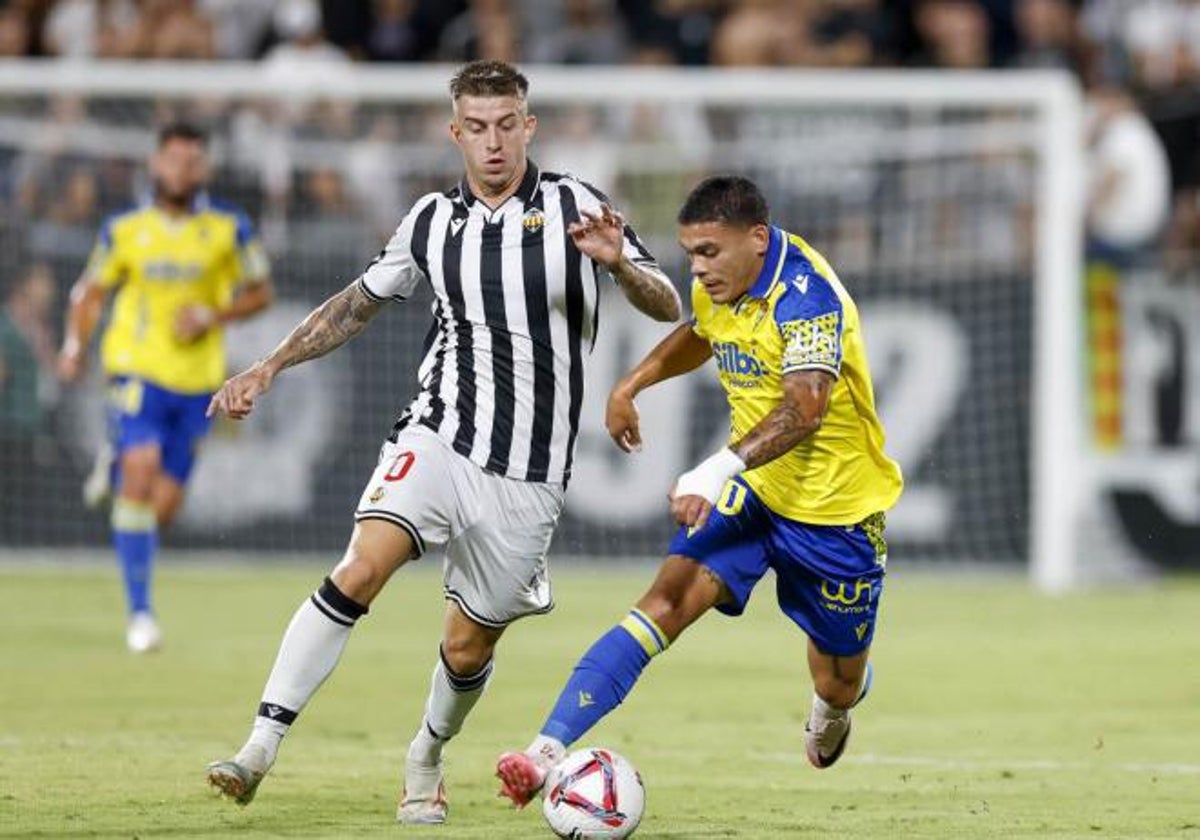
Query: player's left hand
x=600 y=235
x=193 y=321
x=690 y=511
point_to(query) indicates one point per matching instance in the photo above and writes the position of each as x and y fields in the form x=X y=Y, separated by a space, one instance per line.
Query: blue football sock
x=135 y=537
x=604 y=676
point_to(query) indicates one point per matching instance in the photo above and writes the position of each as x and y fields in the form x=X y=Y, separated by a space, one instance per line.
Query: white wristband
x=708 y=477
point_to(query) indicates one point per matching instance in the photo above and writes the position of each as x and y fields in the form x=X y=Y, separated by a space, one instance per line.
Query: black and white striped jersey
x=515 y=308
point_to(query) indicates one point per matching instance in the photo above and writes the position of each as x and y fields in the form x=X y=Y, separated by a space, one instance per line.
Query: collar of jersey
x=200 y=202
x=525 y=192
x=772 y=265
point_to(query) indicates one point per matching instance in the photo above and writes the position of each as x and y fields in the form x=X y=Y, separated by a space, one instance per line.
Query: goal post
x=950 y=203
x=1058 y=459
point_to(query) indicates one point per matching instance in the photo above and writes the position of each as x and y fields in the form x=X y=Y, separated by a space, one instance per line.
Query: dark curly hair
x=728 y=199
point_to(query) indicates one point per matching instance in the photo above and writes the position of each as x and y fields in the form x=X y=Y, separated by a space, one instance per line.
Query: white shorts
x=496 y=530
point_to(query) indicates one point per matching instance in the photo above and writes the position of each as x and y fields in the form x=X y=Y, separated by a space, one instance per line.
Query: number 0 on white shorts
x=496 y=530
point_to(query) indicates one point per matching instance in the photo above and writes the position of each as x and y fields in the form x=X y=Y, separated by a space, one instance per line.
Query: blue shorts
x=140 y=412
x=828 y=578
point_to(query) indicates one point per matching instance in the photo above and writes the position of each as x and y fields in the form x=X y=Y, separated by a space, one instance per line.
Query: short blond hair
x=488 y=78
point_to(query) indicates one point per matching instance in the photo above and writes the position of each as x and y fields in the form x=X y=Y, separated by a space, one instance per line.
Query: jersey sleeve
x=106 y=264
x=252 y=262
x=810 y=317
x=394 y=273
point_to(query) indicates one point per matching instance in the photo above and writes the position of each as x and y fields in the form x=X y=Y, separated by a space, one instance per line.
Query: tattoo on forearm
x=648 y=292
x=774 y=435
x=328 y=327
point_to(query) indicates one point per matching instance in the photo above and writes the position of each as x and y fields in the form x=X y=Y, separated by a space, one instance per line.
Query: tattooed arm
x=650 y=292
x=327 y=327
x=805 y=402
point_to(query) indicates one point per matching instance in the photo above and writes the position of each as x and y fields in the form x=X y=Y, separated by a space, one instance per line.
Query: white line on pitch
x=996 y=763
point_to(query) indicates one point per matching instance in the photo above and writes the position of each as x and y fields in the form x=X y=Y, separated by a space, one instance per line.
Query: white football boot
x=143 y=634
x=825 y=742
x=423 y=799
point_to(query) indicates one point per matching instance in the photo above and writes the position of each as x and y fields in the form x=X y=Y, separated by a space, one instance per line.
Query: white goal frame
x=1057 y=474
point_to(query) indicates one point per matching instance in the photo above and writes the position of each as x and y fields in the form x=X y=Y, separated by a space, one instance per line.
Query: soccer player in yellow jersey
x=179 y=267
x=801 y=488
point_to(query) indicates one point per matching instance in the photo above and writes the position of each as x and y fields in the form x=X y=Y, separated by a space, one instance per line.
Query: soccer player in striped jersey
x=479 y=460
x=179 y=266
x=801 y=488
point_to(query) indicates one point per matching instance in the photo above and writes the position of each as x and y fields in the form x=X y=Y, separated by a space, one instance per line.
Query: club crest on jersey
x=732 y=360
x=534 y=219
x=376 y=494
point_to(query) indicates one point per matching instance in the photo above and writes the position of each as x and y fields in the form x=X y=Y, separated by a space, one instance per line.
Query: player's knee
x=666 y=609
x=358 y=578
x=466 y=654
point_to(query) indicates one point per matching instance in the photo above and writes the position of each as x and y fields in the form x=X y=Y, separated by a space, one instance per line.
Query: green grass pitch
x=995 y=713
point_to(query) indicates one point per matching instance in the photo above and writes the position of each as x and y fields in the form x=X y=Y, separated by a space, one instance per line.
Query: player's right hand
x=236 y=397
x=621 y=419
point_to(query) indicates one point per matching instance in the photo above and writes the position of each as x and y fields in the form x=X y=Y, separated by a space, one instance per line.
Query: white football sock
x=547 y=751
x=256 y=757
x=822 y=711
x=451 y=698
x=308 y=654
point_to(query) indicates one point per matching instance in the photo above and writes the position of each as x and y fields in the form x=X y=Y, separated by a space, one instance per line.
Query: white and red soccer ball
x=594 y=793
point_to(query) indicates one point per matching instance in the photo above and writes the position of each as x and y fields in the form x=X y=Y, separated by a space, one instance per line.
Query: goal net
x=947 y=203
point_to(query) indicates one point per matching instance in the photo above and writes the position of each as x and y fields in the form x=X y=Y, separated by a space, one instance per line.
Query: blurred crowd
x=1149 y=44
x=1139 y=59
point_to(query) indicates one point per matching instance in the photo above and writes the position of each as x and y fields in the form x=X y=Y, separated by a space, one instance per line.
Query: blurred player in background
x=27 y=360
x=801 y=489
x=180 y=266
x=480 y=459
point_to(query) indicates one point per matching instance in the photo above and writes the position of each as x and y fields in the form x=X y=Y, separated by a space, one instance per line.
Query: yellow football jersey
x=798 y=316
x=158 y=264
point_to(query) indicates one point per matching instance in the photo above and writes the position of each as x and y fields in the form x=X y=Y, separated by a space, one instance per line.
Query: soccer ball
x=594 y=793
